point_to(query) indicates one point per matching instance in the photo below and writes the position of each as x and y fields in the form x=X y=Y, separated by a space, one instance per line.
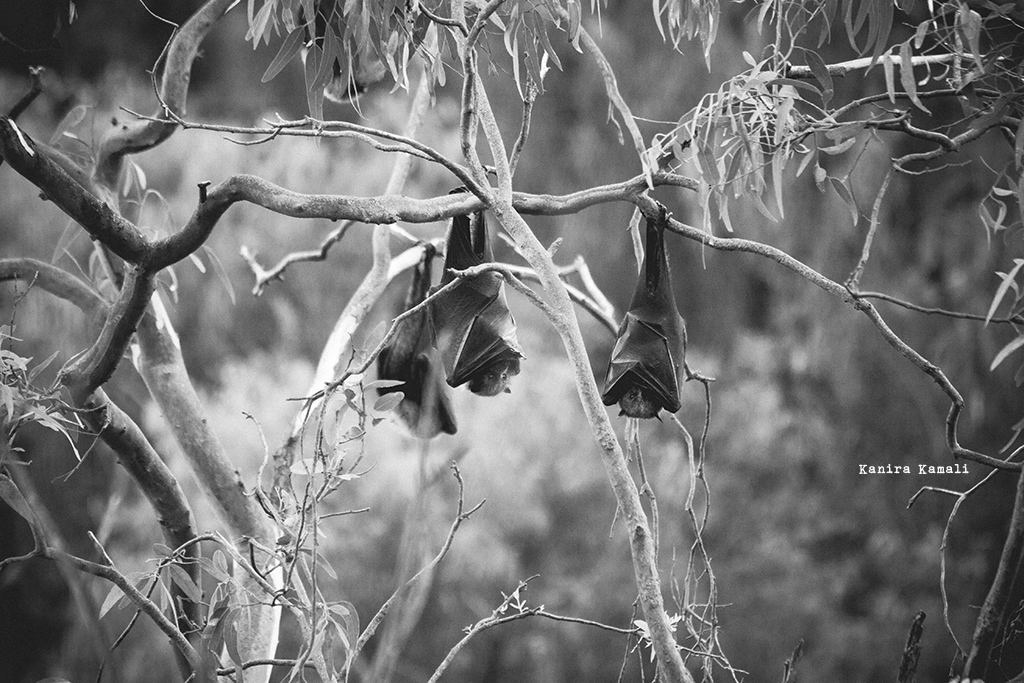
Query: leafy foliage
x=22 y=402
x=749 y=130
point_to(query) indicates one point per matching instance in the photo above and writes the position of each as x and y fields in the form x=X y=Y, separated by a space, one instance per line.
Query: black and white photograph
x=511 y=341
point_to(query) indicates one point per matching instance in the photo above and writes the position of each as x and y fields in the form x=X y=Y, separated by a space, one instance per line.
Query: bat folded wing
x=647 y=358
x=476 y=335
x=426 y=408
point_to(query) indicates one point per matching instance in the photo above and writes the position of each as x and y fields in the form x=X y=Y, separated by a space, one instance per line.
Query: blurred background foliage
x=803 y=546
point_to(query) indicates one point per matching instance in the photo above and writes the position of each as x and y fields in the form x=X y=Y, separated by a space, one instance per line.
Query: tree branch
x=138 y=456
x=28 y=98
x=161 y=366
x=173 y=93
x=843 y=68
x=99 y=220
x=120 y=433
x=993 y=611
x=313 y=128
x=55 y=281
x=98 y=364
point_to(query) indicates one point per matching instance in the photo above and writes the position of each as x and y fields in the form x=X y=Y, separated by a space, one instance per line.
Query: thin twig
x=524 y=130
x=853 y=282
x=1012 y=320
x=443 y=21
x=276 y=272
x=29 y=97
x=960 y=498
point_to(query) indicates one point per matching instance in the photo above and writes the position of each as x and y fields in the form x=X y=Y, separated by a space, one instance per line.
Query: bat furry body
x=472 y=326
x=644 y=371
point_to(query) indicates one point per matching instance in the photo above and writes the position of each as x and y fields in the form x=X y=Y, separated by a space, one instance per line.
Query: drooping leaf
x=1008 y=280
x=289 y=48
x=846 y=195
x=387 y=402
x=635 y=237
x=113 y=595
x=183 y=581
x=820 y=71
x=1006 y=351
x=907 y=76
x=314 y=94
x=890 y=77
x=70 y=120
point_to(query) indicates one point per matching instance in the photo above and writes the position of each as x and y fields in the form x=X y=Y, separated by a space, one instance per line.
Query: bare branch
x=945 y=144
x=443 y=21
x=56 y=281
x=1012 y=320
x=99 y=220
x=912 y=651
x=611 y=88
x=163 y=370
x=854 y=280
x=28 y=98
x=98 y=364
x=312 y=128
x=524 y=129
x=994 y=609
x=469 y=122
x=592 y=306
x=173 y=92
x=159 y=485
x=843 y=68
x=264 y=277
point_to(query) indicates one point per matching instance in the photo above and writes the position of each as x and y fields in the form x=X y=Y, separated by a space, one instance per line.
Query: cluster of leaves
x=22 y=402
x=1010 y=295
x=747 y=132
x=346 y=45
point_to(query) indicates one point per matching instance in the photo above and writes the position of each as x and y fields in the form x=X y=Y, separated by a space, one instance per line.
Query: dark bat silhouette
x=473 y=327
x=410 y=357
x=643 y=373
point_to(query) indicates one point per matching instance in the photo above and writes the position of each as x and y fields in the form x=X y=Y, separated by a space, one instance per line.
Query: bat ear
x=507 y=390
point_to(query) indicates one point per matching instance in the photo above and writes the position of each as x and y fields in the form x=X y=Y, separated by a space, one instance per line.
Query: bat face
x=643 y=373
x=410 y=357
x=472 y=326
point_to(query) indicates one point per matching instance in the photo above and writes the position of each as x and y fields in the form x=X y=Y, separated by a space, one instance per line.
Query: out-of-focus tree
x=936 y=85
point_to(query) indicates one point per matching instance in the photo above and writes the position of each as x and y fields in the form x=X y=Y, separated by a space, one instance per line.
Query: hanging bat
x=472 y=325
x=643 y=373
x=410 y=358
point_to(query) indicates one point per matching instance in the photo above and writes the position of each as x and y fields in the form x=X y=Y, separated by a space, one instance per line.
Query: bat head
x=640 y=402
x=493 y=379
